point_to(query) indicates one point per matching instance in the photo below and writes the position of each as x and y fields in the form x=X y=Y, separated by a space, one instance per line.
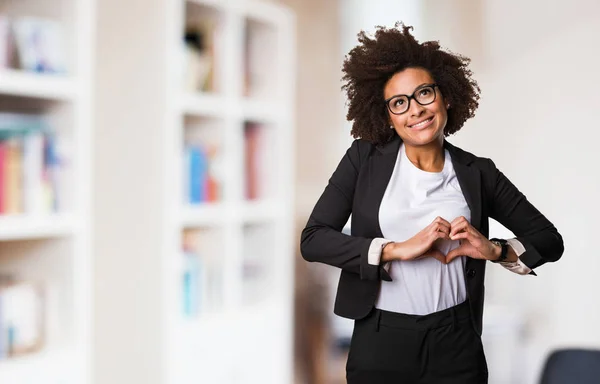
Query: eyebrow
x=414 y=90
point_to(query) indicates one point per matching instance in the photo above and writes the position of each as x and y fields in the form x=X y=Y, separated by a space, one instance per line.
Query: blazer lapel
x=469 y=179
x=380 y=172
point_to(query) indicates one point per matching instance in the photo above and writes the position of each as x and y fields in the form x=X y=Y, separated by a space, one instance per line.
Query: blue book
x=52 y=163
x=191 y=283
x=198 y=174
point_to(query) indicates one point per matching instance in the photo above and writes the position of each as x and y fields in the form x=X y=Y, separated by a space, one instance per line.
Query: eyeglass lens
x=423 y=96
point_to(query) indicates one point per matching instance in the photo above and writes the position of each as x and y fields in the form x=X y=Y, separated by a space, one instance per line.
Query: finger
x=440 y=225
x=459 y=220
x=441 y=220
x=453 y=254
x=443 y=229
x=460 y=227
x=462 y=235
x=439 y=256
x=442 y=235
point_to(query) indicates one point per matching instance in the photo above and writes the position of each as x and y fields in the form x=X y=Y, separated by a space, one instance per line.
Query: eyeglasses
x=424 y=95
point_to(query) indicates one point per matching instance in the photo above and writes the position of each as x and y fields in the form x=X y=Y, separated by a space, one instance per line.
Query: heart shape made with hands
x=472 y=243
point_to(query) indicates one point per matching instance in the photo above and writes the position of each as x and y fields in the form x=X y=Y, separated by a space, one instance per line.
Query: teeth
x=422 y=123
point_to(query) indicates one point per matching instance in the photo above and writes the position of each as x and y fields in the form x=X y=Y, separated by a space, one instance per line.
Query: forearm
x=349 y=253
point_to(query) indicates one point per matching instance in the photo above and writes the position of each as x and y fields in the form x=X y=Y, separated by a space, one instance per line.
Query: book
x=260 y=160
x=202 y=272
x=12 y=177
x=21 y=318
x=251 y=146
x=39 y=44
x=199 y=55
x=202 y=177
x=31 y=168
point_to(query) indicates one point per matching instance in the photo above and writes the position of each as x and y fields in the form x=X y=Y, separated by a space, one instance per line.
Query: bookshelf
x=194 y=250
x=244 y=233
x=45 y=253
x=31 y=85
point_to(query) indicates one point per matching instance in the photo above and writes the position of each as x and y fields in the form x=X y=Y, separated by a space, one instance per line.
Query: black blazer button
x=471 y=273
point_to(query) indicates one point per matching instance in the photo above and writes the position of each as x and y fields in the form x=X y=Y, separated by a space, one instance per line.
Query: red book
x=212 y=193
x=251 y=136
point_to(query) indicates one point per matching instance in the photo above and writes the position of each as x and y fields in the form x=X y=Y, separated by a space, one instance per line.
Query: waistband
x=449 y=316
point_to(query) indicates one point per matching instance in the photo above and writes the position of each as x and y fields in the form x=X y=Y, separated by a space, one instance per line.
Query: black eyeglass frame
x=433 y=86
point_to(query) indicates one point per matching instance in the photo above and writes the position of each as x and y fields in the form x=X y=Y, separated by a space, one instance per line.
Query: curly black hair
x=369 y=66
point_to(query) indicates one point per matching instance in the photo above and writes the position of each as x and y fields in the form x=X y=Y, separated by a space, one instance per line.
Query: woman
x=412 y=270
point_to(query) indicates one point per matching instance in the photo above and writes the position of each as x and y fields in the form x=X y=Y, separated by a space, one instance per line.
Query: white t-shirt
x=412 y=200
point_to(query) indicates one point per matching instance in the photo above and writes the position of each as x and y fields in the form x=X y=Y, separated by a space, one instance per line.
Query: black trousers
x=439 y=348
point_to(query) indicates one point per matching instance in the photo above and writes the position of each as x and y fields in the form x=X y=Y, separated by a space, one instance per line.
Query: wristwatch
x=504 y=252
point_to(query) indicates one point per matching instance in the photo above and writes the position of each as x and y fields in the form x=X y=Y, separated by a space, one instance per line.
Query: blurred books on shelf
x=32 y=44
x=201 y=176
x=201 y=273
x=260 y=60
x=31 y=167
x=46 y=85
x=21 y=318
x=202 y=160
x=260 y=147
x=200 y=56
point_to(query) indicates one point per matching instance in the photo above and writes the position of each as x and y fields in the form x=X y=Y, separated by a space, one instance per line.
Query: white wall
x=318 y=99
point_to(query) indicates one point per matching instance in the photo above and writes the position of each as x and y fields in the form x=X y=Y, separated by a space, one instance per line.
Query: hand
x=472 y=243
x=420 y=245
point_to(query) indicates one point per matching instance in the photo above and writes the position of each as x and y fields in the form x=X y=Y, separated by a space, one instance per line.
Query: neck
x=429 y=157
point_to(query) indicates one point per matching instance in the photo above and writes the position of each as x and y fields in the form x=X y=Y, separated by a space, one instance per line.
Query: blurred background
x=159 y=158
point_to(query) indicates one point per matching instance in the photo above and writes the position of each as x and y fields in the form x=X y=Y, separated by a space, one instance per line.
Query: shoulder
x=362 y=145
x=359 y=151
x=485 y=164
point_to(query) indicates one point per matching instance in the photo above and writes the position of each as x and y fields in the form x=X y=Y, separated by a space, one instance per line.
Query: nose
x=415 y=109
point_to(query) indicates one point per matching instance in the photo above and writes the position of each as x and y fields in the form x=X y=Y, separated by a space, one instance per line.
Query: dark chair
x=572 y=366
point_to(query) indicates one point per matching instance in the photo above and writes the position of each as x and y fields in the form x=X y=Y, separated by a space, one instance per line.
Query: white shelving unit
x=248 y=338
x=146 y=117
x=24 y=227
x=31 y=85
x=54 y=249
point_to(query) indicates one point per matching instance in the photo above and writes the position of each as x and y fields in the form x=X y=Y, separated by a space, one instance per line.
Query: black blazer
x=357 y=187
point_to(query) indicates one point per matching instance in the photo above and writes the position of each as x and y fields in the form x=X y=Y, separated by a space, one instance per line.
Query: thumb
x=453 y=254
x=436 y=254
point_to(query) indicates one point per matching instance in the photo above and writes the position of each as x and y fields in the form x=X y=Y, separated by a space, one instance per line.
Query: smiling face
x=421 y=124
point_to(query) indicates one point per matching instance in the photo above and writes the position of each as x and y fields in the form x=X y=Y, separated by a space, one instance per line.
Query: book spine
x=33 y=164
x=3 y=181
x=13 y=176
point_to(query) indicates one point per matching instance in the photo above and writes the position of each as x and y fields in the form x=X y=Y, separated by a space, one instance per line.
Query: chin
x=423 y=138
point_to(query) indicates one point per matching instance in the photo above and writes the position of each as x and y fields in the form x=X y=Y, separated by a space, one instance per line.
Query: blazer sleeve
x=322 y=240
x=511 y=208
